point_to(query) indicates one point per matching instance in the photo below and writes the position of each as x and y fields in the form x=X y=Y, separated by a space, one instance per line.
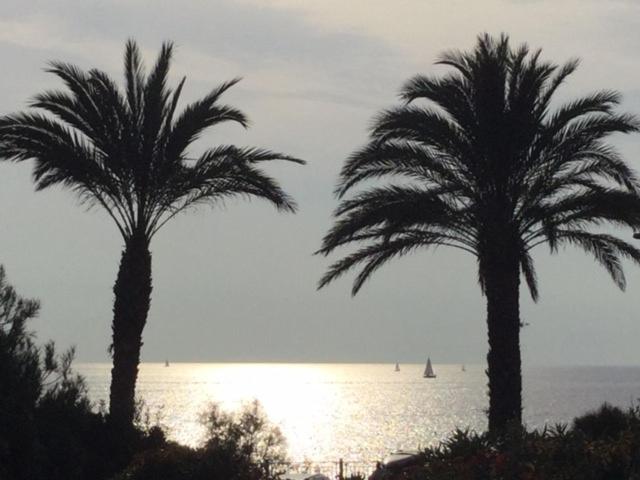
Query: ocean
x=360 y=412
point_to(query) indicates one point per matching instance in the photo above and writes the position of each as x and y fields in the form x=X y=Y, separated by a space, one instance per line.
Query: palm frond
x=374 y=256
x=601 y=102
x=595 y=207
x=407 y=159
x=218 y=174
x=529 y=272
x=79 y=84
x=552 y=86
x=64 y=158
x=606 y=249
x=170 y=111
x=134 y=79
x=422 y=125
x=200 y=115
x=155 y=99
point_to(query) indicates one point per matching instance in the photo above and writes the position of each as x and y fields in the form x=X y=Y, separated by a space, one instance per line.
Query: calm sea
x=361 y=412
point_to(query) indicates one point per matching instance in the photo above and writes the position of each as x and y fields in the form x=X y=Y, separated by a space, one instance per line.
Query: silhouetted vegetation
x=128 y=153
x=47 y=427
x=607 y=422
x=487 y=166
x=49 y=430
x=584 y=452
x=241 y=446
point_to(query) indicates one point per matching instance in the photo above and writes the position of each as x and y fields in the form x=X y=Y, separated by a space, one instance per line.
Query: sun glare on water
x=289 y=394
x=325 y=411
x=358 y=412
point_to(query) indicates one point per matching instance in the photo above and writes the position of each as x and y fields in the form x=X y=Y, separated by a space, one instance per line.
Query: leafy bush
x=248 y=435
x=47 y=428
x=241 y=446
x=607 y=422
x=601 y=445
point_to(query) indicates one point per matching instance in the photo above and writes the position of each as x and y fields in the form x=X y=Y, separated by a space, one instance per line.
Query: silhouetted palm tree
x=128 y=152
x=488 y=167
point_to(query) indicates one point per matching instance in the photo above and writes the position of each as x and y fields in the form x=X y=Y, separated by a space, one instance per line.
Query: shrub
x=602 y=445
x=241 y=446
x=47 y=428
x=606 y=422
x=249 y=435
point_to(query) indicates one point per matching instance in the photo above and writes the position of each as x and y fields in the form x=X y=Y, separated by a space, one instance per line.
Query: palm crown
x=487 y=161
x=128 y=151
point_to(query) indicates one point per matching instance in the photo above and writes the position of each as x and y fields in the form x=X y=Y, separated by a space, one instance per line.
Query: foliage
x=47 y=428
x=128 y=151
x=607 y=422
x=482 y=160
x=487 y=151
x=248 y=434
x=584 y=452
x=241 y=446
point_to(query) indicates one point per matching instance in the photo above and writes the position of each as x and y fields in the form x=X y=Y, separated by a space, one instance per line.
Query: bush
x=249 y=436
x=241 y=446
x=601 y=445
x=47 y=428
x=605 y=423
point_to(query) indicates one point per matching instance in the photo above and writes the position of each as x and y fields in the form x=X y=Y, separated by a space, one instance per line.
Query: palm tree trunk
x=502 y=289
x=132 y=299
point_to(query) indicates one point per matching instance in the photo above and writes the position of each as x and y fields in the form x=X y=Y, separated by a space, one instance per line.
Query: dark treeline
x=476 y=159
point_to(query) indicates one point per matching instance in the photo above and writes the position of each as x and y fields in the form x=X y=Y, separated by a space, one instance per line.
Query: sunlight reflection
x=290 y=394
x=353 y=411
x=359 y=412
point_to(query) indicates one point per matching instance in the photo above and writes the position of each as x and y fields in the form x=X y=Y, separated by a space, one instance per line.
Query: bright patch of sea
x=361 y=412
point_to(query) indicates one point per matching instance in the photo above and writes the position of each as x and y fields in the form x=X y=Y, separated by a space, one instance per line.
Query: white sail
x=428 y=371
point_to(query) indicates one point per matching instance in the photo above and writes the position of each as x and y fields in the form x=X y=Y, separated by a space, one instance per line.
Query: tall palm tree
x=479 y=160
x=128 y=152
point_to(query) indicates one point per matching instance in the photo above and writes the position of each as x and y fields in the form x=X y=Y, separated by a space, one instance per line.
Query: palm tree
x=478 y=160
x=128 y=152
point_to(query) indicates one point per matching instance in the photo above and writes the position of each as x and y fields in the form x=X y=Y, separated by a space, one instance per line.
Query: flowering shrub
x=602 y=445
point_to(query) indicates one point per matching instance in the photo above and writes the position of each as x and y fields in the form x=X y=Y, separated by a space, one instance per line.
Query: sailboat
x=428 y=371
x=397 y=368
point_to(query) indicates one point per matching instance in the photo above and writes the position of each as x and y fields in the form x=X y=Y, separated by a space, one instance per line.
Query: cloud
x=215 y=41
x=420 y=30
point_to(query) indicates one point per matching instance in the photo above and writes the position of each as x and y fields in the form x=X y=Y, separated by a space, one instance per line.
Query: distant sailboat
x=166 y=363
x=428 y=371
x=397 y=367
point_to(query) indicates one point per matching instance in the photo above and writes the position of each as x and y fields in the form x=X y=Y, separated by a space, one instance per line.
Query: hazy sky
x=237 y=282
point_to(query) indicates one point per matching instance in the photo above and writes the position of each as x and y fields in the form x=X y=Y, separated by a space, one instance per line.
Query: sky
x=237 y=282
